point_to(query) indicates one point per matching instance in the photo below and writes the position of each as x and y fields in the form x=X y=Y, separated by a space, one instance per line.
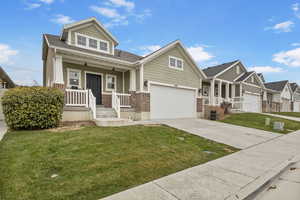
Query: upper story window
x=111 y=82
x=74 y=77
x=91 y=43
x=175 y=63
x=237 y=69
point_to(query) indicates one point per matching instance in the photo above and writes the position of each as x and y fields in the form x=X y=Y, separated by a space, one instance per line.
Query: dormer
x=89 y=34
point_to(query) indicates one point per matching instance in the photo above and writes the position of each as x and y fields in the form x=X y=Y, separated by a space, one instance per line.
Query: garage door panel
x=170 y=103
x=297 y=106
x=251 y=103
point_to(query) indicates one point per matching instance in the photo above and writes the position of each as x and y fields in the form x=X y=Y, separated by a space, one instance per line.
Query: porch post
x=227 y=91
x=58 y=77
x=132 y=80
x=142 y=78
x=233 y=91
x=212 y=92
x=219 y=92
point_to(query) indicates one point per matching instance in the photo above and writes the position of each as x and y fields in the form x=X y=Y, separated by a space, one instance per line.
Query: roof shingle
x=277 y=86
x=214 y=70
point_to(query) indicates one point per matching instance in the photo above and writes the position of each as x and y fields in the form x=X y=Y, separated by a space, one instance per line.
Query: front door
x=93 y=82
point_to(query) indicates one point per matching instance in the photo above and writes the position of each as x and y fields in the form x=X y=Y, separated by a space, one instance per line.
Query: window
x=237 y=69
x=111 y=82
x=81 y=40
x=175 y=63
x=74 y=78
x=93 y=43
x=103 y=46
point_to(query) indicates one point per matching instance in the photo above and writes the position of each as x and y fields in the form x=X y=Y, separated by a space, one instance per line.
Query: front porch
x=223 y=92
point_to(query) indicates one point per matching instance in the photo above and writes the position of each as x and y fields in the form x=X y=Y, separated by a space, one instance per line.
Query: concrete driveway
x=236 y=136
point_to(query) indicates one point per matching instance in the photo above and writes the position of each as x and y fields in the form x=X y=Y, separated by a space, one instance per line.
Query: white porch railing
x=115 y=103
x=92 y=103
x=124 y=100
x=76 y=97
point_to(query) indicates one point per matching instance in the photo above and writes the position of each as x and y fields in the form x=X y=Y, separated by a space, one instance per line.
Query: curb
x=251 y=190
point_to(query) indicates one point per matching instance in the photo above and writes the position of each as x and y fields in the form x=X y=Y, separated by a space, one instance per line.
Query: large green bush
x=33 y=107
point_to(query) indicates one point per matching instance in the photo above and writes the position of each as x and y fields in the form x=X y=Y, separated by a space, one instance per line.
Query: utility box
x=267 y=122
x=278 y=126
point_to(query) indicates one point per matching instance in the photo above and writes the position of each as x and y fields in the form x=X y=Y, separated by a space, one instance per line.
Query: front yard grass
x=290 y=114
x=256 y=120
x=93 y=162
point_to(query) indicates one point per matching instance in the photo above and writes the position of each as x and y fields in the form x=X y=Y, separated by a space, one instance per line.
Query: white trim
x=225 y=81
x=234 y=80
x=69 y=26
x=87 y=46
x=250 y=84
x=253 y=93
x=96 y=73
x=68 y=77
x=142 y=77
x=106 y=82
x=166 y=48
x=171 y=85
x=123 y=82
x=176 y=59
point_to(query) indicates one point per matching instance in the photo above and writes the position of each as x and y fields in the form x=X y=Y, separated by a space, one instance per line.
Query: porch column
x=212 y=92
x=132 y=80
x=219 y=92
x=142 y=78
x=58 y=77
x=227 y=91
x=232 y=91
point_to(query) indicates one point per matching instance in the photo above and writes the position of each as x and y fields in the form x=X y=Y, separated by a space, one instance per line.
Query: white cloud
x=62 y=19
x=149 y=49
x=123 y=3
x=265 y=69
x=32 y=6
x=199 y=54
x=295 y=7
x=290 y=58
x=47 y=1
x=295 y=44
x=282 y=27
x=5 y=53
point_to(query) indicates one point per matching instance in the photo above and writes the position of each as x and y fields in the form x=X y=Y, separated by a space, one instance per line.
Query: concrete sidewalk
x=221 y=178
x=3 y=129
x=282 y=116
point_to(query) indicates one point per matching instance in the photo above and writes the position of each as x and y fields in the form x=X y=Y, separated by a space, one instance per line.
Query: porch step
x=112 y=122
x=102 y=112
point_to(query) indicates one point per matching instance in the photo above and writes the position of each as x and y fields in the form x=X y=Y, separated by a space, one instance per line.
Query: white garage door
x=297 y=106
x=286 y=106
x=252 y=103
x=171 y=103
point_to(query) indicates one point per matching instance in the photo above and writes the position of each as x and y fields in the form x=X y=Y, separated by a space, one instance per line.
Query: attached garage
x=296 y=106
x=252 y=103
x=286 y=106
x=172 y=102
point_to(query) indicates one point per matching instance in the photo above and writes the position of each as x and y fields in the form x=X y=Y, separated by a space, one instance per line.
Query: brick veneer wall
x=58 y=85
x=199 y=104
x=140 y=101
x=220 y=111
x=106 y=100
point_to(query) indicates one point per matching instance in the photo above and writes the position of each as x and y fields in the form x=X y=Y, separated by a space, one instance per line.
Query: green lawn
x=255 y=120
x=290 y=114
x=95 y=162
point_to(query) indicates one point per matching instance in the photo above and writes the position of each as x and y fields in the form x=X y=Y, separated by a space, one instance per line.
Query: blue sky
x=264 y=35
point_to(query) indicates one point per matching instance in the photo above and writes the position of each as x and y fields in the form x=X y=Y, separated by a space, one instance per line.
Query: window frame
x=238 y=70
x=87 y=46
x=68 y=78
x=106 y=82
x=176 y=60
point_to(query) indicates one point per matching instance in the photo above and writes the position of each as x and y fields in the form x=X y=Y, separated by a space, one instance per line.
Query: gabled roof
x=167 y=47
x=86 y=21
x=214 y=70
x=261 y=76
x=294 y=86
x=277 y=86
x=244 y=76
x=4 y=76
x=54 y=41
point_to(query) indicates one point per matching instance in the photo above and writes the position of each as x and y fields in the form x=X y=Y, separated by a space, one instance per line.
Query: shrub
x=33 y=107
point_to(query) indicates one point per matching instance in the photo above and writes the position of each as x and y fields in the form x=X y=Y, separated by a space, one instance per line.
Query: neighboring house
x=279 y=97
x=296 y=97
x=84 y=61
x=5 y=80
x=233 y=84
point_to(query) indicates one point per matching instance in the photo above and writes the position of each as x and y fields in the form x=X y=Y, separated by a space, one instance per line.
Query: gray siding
x=93 y=32
x=249 y=88
x=97 y=70
x=256 y=82
x=158 y=70
x=231 y=74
